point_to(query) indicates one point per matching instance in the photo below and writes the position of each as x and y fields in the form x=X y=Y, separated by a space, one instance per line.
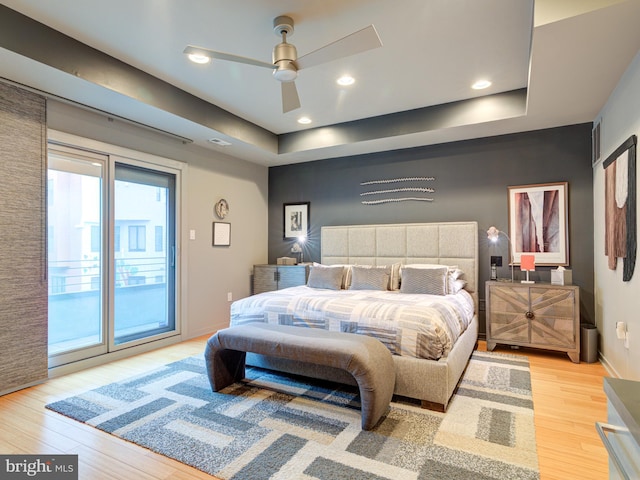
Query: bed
x=425 y=370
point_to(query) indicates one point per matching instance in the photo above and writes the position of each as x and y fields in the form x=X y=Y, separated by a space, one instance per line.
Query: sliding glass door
x=76 y=255
x=111 y=253
x=144 y=235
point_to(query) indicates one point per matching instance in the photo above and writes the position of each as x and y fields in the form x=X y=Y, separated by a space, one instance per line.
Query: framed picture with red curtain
x=538 y=222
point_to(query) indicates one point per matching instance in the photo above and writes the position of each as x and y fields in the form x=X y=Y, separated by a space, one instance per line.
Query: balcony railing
x=70 y=276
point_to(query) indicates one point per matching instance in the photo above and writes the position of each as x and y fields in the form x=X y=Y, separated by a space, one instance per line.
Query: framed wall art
x=538 y=222
x=296 y=220
x=221 y=234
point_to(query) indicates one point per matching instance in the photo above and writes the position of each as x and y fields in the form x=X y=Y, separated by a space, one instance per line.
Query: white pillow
x=454 y=276
x=455 y=273
x=456 y=285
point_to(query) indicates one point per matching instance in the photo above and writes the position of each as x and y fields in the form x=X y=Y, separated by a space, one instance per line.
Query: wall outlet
x=192 y=234
x=229 y=297
x=621 y=330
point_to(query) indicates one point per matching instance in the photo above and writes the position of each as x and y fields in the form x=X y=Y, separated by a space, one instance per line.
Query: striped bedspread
x=415 y=325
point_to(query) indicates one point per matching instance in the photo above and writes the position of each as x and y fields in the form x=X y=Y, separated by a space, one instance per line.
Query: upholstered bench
x=366 y=358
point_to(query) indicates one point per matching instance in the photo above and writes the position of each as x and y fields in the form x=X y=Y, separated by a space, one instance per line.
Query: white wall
x=210 y=273
x=617 y=301
x=213 y=272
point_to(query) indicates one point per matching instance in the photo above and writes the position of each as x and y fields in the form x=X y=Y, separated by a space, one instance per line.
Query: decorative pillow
x=325 y=277
x=393 y=271
x=454 y=273
x=430 y=265
x=432 y=281
x=369 y=278
x=346 y=274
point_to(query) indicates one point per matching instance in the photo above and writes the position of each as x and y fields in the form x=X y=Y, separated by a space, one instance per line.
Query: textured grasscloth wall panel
x=23 y=285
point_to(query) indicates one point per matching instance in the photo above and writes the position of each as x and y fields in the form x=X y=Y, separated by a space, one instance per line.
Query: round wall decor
x=222 y=208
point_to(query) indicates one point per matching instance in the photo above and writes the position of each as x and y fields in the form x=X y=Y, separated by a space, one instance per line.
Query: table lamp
x=298 y=247
x=493 y=235
x=527 y=264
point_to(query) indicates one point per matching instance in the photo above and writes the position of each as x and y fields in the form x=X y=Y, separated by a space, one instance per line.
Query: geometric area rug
x=280 y=427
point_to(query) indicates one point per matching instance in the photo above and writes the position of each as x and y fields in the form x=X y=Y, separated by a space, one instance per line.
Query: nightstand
x=538 y=315
x=267 y=278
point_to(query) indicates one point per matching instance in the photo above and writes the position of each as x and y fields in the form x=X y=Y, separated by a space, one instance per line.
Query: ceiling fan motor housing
x=284 y=51
x=284 y=54
x=283 y=24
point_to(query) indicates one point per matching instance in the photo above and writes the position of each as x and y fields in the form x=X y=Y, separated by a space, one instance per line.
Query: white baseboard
x=608 y=367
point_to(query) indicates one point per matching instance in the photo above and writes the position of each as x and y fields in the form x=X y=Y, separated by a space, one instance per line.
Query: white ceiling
x=569 y=56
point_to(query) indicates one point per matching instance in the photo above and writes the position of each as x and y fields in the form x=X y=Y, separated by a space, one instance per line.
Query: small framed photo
x=538 y=223
x=296 y=220
x=221 y=234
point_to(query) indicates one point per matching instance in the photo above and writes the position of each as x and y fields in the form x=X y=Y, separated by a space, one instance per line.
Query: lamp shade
x=527 y=263
x=493 y=233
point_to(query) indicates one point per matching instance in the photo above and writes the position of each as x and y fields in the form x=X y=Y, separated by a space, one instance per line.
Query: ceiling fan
x=286 y=62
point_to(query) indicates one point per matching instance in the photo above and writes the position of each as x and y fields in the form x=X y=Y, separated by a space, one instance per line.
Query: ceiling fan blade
x=290 y=99
x=193 y=50
x=357 y=42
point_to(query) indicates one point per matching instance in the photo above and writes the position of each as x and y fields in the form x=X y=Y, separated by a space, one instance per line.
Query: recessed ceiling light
x=198 y=58
x=346 y=80
x=481 y=84
x=304 y=120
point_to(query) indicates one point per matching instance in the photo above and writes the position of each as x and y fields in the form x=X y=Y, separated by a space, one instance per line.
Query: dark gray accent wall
x=471 y=179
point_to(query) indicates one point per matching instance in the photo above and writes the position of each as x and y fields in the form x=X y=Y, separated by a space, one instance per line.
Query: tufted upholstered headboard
x=447 y=243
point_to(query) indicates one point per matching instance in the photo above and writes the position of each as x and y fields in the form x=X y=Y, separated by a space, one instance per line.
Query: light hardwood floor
x=568 y=399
